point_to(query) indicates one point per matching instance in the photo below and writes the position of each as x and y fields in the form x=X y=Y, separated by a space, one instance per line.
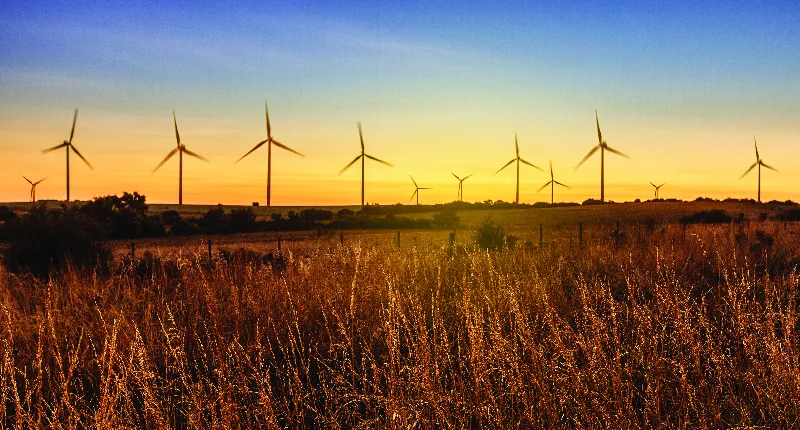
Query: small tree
x=490 y=235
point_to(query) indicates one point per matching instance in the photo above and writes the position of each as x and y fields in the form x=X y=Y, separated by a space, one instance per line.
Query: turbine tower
x=603 y=147
x=363 y=156
x=33 y=187
x=657 y=187
x=67 y=145
x=180 y=150
x=269 y=141
x=759 y=162
x=461 y=185
x=518 y=159
x=416 y=190
x=552 y=184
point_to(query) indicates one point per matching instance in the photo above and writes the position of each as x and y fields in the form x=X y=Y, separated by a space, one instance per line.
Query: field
x=653 y=326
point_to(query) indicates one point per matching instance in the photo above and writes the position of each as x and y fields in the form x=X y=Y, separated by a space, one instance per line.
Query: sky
x=683 y=88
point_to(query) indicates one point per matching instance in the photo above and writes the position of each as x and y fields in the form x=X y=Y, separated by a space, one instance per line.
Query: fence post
x=580 y=233
x=398 y=239
x=341 y=238
x=540 y=235
x=570 y=239
x=133 y=251
x=210 y=259
x=279 y=243
x=452 y=237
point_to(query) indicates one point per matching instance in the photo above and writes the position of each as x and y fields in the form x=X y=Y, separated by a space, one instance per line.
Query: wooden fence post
x=341 y=238
x=540 y=235
x=570 y=239
x=210 y=258
x=133 y=251
x=580 y=233
x=398 y=239
x=279 y=243
x=452 y=237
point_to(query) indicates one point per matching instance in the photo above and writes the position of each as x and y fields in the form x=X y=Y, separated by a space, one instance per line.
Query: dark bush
x=169 y=218
x=345 y=213
x=184 y=227
x=316 y=215
x=242 y=220
x=790 y=215
x=45 y=241
x=490 y=235
x=589 y=202
x=713 y=216
x=445 y=219
x=255 y=204
x=6 y=213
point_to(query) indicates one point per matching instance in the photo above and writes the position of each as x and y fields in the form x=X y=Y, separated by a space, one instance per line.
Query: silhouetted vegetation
x=490 y=235
x=713 y=216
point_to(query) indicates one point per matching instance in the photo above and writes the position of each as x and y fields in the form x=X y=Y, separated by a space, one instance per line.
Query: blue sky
x=429 y=81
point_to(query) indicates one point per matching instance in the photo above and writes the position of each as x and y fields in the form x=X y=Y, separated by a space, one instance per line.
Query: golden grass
x=662 y=328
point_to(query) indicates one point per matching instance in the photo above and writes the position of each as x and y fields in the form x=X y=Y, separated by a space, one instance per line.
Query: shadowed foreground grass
x=657 y=329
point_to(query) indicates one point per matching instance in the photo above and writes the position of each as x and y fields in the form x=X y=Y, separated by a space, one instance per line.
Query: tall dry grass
x=658 y=328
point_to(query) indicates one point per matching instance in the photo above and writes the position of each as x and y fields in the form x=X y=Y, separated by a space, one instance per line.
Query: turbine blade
x=528 y=163
x=748 y=170
x=258 y=145
x=361 y=137
x=351 y=163
x=378 y=160
x=198 y=156
x=424 y=188
x=38 y=182
x=769 y=167
x=614 y=151
x=551 y=170
x=280 y=145
x=465 y=177
x=587 y=156
x=412 y=195
x=597 y=121
x=177 y=135
x=756 y=145
x=507 y=164
x=29 y=181
x=516 y=144
x=169 y=155
x=455 y=176
x=75 y=150
x=661 y=185
x=412 y=180
x=653 y=184
x=45 y=151
x=563 y=185
x=269 y=128
x=544 y=186
x=74 y=120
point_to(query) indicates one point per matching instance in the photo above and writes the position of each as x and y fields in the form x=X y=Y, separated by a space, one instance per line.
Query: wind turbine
x=180 y=150
x=67 y=145
x=759 y=162
x=461 y=185
x=552 y=184
x=518 y=160
x=416 y=191
x=603 y=147
x=362 y=156
x=657 y=187
x=33 y=187
x=269 y=141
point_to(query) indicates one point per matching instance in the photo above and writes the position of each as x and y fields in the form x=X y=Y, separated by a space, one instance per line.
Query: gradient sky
x=681 y=87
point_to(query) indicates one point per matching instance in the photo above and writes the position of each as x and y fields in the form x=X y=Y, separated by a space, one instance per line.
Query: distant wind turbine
x=67 y=145
x=552 y=184
x=33 y=187
x=657 y=187
x=602 y=146
x=759 y=162
x=362 y=156
x=269 y=141
x=461 y=185
x=518 y=160
x=416 y=191
x=180 y=150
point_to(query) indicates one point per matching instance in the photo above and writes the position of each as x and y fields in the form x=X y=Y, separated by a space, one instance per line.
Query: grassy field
x=655 y=327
